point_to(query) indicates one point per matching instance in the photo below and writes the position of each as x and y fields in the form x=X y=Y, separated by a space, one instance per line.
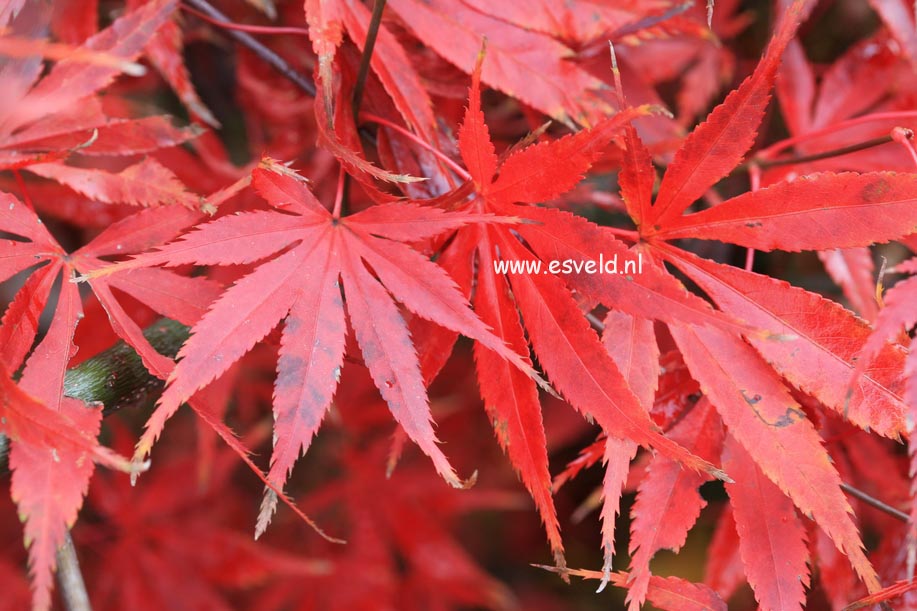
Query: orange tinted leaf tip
x=622 y=102
x=479 y=62
x=281 y=167
x=470 y=482
x=654 y=109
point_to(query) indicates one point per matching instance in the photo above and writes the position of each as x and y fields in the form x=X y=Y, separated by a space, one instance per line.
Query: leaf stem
x=251 y=29
x=905 y=137
x=844 y=150
x=362 y=72
x=874 y=502
x=879 y=116
x=627 y=234
x=22 y=189
x=754 y=177
x=339 y=194
x=418 y=141
x=245 y=39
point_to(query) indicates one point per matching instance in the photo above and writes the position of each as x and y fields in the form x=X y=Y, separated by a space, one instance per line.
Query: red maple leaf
x=318 y=255
x=812 y=343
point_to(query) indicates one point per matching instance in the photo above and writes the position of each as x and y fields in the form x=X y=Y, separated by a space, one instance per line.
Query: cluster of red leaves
x=332 y=286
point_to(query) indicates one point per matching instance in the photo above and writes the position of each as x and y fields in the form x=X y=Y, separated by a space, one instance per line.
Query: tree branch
x=70 y=578
x=246 y=40
x=363 y=72
x=117 y=377
x=873 y=501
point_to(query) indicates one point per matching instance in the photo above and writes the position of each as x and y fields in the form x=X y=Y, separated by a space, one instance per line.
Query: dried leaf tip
x=616 y=73
x=137 y=467
x=281 y=167
x=606 y=577
x=654 y=109
x=266 y=513
x=464 y=484
x=880 y=281
x=479 y=60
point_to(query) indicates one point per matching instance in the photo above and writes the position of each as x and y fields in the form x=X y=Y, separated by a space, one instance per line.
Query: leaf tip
x=133 y=69
x=268 y=507
x=464 y=484
x=654 y=109
x=139 y=464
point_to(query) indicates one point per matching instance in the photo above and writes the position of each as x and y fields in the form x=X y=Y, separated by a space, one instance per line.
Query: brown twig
x=874 y=502
x=359 y=84
x=70 y=578
x=246 y=40
x=844 y=150
x=363 y=72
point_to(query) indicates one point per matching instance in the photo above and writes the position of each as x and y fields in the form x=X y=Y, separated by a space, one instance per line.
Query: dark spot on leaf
x=754 y=224
x=875 y=191
x=751 y=400
x=789 y=417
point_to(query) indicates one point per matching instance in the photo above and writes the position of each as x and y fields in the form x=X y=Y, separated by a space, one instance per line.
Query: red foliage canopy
x=327 y=238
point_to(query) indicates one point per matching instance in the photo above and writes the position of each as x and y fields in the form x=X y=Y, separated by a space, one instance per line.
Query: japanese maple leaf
x=809 y=342
x=165 y=51
x=898 y=315
x=46 y=119
x=568 y=350
x=855 y=101
x=316 y=254
x=328 y=20
x=178 y=297
x=527 y=63
x=49 y=476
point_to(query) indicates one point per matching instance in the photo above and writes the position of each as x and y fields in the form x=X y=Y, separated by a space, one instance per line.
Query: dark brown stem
x=363 y=71
x=70 y=578
x=246 y=40
x=360 y=83
x=844 y=150
x=874 y=502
